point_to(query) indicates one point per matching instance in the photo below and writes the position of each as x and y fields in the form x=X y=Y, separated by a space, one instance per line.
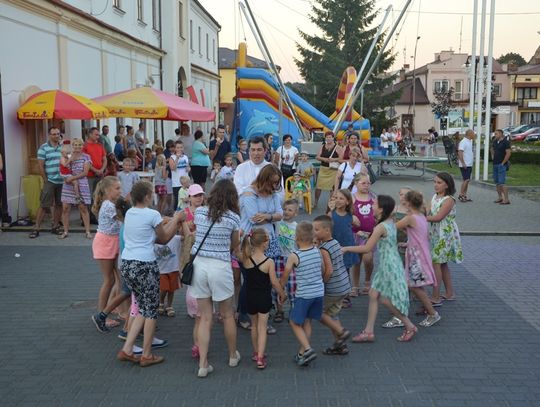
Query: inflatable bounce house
x=257 y=107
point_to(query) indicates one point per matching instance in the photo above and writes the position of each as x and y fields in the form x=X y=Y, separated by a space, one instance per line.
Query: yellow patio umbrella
x=58 y=104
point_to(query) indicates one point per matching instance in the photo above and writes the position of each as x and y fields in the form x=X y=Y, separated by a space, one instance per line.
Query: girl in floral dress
x=444 y=235
x=389 y=284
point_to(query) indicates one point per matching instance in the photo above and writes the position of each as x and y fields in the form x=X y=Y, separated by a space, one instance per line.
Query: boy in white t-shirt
x=466 y=159
x=227 y=171
x=127 y=178
x=179 y=166
x=168 y=259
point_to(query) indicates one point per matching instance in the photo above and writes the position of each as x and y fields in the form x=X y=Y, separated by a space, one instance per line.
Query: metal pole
x=489 y=91
x=362 y=103
x=472 y=72
x=280 y=128
x=414 y=89
x=381 y=51
x=266 y=53
x=480 y=92
x=340 y=118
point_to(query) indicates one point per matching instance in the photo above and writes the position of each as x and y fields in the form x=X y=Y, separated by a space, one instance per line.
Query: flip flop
x=498 y=201
x=504 y=203
x=448 y=298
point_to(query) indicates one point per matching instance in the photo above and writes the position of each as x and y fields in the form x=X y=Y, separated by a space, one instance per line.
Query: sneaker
x=122 y=335
x=233 y=362
x=100 y=324
x=195 y=352
x=308 y=356
x=205 y=371
x=393 y=322
x=270 y=330
x=159 y=343
x=430 y=320
x=137 y=350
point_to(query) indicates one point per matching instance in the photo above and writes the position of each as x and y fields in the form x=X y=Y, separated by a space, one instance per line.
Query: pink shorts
x=191 y=304
x=105 y=247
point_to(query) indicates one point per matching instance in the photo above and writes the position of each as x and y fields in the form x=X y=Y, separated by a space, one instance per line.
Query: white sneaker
x=393 y=322
x=233 y=362
x=137 y=350
x=430 y=320
x=205 y=371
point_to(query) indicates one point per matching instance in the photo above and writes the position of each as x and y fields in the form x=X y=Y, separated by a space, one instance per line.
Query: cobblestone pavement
x=484 y=352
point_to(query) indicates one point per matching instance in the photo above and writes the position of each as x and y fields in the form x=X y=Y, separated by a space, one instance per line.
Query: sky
x=437 y=22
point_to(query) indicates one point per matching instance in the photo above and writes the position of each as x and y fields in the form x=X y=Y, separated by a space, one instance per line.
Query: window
x=191 y=35
x=117 y=4
x=200 y=41
x=458 y=90
x=180 y=20
x=526 y=93
x=214 y=50
x=140 y=15
x=497 y=89
x=441 y=86
x=156 y=14
x=207 y=47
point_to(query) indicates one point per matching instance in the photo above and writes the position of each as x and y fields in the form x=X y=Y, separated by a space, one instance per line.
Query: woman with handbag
x=286 y=156
x=348 y=170
x=330 y=156
x=217 y=233
x=353 y=141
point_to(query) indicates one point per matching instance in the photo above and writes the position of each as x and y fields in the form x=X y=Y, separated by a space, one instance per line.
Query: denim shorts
x=466 y=173
x=499 y=174
x=303 y=309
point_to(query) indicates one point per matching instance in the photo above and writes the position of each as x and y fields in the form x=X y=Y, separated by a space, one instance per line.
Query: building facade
x=525 y=86
x=450 y=70
x=92 y=49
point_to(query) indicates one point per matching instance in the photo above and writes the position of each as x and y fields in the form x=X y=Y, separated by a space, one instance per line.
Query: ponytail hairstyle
x=253 y=239
x=101 y=190
x=387 y=204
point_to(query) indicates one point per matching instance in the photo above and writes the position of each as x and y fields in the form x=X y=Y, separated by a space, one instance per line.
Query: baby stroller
x=450 y=150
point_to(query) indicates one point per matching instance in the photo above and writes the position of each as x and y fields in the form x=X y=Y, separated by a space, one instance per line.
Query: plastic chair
x=306 y=195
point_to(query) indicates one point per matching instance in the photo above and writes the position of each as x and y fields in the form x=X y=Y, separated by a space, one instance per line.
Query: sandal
x=63 y=235
x=364 y=337
x=453 y=298
x=170 y=311
x=462 y=198
x=407 y=335
x=498 y=201
x=342 y=337
x=354 y=292
x=161 y=309
x=33 y=234
x=89 y=235
x=57 y=230
x=393 y=322
x=336 y=350
x=279 y=317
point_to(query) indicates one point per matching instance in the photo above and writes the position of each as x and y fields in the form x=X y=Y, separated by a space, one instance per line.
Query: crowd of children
x=315 y=277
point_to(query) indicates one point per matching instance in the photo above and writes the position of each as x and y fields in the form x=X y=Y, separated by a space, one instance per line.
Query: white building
x=92 y=48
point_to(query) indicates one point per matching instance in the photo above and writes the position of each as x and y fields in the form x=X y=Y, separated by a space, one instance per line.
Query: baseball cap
x=195 y=189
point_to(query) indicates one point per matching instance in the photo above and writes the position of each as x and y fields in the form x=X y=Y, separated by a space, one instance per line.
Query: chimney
x=512 y=67
x=402 y=74
x=406 y=67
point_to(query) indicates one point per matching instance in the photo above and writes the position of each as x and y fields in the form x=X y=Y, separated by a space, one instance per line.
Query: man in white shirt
x=246 y=172
x=466 y=159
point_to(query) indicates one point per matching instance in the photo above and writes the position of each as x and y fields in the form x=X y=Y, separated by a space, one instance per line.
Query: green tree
x=512 y=58
x=346 y=31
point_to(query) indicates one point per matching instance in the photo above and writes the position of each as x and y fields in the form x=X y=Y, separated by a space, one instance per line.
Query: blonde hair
x=304 y=232
x=161 y=160
x=77 y=141
x=256 y=238
x=100 y=192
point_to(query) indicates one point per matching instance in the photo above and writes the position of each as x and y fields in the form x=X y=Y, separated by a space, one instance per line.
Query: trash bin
x=31 y=186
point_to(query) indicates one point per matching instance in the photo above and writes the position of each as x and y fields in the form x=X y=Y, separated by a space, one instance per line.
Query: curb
x=499 y=233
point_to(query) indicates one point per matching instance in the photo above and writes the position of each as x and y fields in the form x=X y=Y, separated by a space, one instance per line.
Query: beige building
x=449 y=70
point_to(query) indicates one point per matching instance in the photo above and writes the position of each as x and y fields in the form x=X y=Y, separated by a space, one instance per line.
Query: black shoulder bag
x=187 y=271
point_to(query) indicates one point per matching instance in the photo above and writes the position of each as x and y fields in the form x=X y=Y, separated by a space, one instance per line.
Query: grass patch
x=519 y=174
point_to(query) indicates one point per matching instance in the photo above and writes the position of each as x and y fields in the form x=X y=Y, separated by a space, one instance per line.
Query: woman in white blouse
x=349 y=169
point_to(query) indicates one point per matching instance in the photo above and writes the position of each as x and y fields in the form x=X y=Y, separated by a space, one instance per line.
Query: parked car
x=532 y=137
x=522 y=136
x=521 y=129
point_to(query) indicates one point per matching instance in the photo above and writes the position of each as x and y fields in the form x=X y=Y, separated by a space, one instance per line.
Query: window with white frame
x=441 y=86
x=140 y=15
x=180 y=19
x=199 y=32
x=191 y=35
x=156 y=14
x=497 y=89
x=458 y=90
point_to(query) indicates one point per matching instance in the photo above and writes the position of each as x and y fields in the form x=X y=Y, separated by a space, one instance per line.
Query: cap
x=304 y=152
x=195 y=189
x=297 y=173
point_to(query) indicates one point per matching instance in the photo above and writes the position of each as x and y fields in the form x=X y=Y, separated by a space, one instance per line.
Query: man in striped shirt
x=49 y=168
